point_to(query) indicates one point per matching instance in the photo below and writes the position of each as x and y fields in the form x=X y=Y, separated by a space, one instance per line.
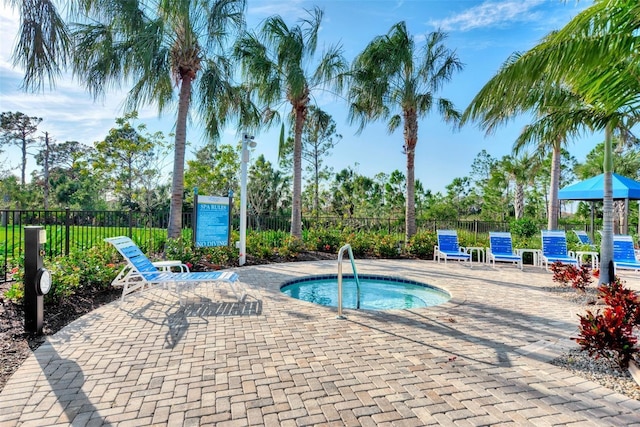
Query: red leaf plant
x=608 y=335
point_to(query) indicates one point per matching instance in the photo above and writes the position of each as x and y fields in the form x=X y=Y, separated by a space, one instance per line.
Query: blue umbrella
x=592 y=189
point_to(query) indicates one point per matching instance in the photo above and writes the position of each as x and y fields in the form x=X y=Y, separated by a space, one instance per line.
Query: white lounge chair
x=141 y=273
x=448 y=248
x=501 y=249
x=624 y=256
x=554 y=249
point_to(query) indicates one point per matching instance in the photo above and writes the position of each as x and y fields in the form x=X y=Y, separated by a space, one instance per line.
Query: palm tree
x=274 y=65
x=392 y=74
x=158 y=46
x=521 y=169
x=595 y=55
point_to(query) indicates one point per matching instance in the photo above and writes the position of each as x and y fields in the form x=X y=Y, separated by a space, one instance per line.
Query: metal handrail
x=347 y=248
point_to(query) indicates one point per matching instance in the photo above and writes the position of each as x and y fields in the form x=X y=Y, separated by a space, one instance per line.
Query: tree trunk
x=177 y=185
x=45 y=184
x=296 y=206
x=519 y=200
x=23 y=170
x=606 y=244
x=410 y=142
x=316 y=191
x=552 y=217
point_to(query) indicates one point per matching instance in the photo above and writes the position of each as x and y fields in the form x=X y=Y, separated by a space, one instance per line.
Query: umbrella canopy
x=593 y=189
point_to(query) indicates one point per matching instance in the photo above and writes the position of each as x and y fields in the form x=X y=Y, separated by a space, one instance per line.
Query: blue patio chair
x=448 y=248
x=501 y=249
x=624 y=256
x=584 y=238
x=554 y=249
x=141 y=273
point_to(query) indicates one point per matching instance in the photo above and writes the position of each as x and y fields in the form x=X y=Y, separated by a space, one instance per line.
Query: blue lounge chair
x=448 y=248
x=501 y=249
x=584 y=238
x=554 y=248
x=624 y=256
x=141 y=273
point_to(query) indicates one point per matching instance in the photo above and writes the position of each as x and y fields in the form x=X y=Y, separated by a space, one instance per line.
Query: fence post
x=130 y=224
x=475 y=230
x=67 y=229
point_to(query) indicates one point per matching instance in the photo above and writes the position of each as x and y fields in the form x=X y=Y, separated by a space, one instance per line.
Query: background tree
x=459 y=193
x=276 y=65
x=214 y=171
x=72 y=182
x=126 y=158
x=395 y=190
x=18 y=129
x=392 y=75
x=521 y=172
x=496 y=195
x=267 y=190
x=319 y=137
x=353 y=194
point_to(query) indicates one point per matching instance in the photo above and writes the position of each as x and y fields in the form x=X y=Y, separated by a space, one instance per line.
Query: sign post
x=247 y=142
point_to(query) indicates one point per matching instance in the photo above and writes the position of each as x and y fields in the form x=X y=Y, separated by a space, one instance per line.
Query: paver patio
x=479 y=359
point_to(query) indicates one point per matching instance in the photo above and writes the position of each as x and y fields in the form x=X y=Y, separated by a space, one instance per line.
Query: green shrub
x=291 y=247
x=388 y=246
x=219 y=255
x=323 y=240
x=258 y=248
x=181 y=249
x=524 y=227
x=421 y=244
x=93 y=268
x=362 y=243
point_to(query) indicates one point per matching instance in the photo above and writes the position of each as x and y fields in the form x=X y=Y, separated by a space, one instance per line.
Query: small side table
x=166 y=266
x=594 y=258
x=534 y=252
x=479 y=251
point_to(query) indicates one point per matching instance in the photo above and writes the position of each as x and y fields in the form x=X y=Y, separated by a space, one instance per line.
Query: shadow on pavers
x=176 y=317
x=66 y=379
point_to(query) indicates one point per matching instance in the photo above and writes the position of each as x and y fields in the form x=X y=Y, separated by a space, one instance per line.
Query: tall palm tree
x=275 y=67
x=596 y=55
x=561 y=115
x=393 y=75
x=160 y=47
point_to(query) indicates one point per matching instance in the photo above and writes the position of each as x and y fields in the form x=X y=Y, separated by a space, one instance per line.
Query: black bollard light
x=37 y=279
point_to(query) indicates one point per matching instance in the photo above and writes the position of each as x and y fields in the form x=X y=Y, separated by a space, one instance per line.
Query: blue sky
x=483 y=34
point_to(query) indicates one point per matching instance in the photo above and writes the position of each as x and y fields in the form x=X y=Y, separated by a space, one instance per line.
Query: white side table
x=479 y=251
x=534 y=252
x=166 y=266
x=594 y=258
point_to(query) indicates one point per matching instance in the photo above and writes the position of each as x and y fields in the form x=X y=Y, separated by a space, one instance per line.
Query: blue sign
x=212 y=221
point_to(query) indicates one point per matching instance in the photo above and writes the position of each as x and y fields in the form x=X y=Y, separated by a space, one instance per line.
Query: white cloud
x=289 y=9
x=491 y=14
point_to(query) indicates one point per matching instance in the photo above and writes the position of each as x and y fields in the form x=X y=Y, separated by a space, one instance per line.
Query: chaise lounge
x=141 y=273
x=501 y=249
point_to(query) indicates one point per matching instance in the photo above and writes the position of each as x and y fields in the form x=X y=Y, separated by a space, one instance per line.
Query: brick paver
x=479 y=359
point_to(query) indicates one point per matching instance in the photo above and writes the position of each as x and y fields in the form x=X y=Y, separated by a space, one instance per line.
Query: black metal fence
x=72 y=230
x=69 y=230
